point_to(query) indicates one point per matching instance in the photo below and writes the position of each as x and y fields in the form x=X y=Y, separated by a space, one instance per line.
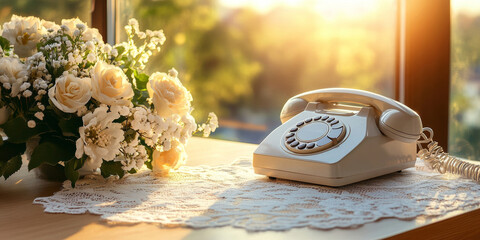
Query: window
x=464 y=138
x=46 y=9
x=244 y=59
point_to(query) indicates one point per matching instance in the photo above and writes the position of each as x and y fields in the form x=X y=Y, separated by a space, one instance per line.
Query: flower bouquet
x=69 y=100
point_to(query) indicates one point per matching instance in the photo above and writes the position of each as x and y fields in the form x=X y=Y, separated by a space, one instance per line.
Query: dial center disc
x=312 y=132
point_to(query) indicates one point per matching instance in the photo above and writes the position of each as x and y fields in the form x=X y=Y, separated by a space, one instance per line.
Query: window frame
x=422 y=77
x=423 y=62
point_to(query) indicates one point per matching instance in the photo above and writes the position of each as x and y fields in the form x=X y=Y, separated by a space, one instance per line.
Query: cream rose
x=172 y=159
x=24 y=33
x=110 y=85
x=70 y=93
x=168 y=94
x=13 y=74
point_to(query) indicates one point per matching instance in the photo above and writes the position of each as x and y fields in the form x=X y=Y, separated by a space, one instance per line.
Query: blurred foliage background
x=464 y=132
x=244 y=59
x=46 y=9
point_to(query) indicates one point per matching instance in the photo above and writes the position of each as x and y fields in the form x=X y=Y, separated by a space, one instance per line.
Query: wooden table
x=20 y=219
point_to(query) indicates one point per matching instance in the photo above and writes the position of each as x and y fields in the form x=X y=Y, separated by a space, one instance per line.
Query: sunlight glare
x=330 y=10
x=468 y=7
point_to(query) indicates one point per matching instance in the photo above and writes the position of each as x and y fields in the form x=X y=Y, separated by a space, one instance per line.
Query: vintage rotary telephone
x=338 y=136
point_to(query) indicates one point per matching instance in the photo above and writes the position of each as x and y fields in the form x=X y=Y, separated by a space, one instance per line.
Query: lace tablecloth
x=232 y=195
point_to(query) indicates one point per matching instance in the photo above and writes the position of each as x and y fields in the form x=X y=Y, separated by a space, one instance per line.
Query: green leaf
x=11 y=166
x=140 y=98
x=52 y=150
x=120 y=50
x=18 y=132
x=148 y=163
x=9 y=150
x=70 y=126
x=71 y=168
x=5 y=44
x=141 y=80
x=129 y=73
x=111 y=168
x=120 y=119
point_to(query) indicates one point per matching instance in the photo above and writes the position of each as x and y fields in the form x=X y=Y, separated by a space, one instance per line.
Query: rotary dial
x=314 y=134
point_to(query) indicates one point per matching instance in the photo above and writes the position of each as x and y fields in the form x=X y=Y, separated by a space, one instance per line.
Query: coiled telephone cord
x=436 y=159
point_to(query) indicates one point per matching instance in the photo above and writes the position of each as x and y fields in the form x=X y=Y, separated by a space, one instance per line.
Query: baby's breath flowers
x=89 y=102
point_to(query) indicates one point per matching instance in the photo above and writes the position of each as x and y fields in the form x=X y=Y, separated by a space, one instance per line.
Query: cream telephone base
x=339 y=136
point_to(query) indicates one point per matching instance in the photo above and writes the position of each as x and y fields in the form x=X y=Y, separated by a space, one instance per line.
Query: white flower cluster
x=72 y=47
x=138 y=56
x=68 y=72
x=158 y=132
x=210 y=126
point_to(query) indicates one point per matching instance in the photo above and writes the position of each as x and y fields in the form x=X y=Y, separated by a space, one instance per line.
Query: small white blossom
x=41 y=107
x=27 y=93
x=141 y=35
x=31 y=124
x=91 y=57
x=122 y=110
x=65 y=29
x=39 y=115
x=80 y=26
x=114 y=52
x=90 y=45
x=82 y=111
x=107 y=48
x=24 y=86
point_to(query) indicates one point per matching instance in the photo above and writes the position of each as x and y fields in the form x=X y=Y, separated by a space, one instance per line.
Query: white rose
x=110 y=85
x=70 y=93
x=24 y=33
x=12 y=73
x=163 y=162
x=168 y=95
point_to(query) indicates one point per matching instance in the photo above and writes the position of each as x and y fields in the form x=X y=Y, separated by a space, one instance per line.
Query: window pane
x=244 y=59
x=51 y=10
x=464 y=129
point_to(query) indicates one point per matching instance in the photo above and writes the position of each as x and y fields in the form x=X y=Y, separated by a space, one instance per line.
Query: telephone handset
x=338 y=136
x=396 y=120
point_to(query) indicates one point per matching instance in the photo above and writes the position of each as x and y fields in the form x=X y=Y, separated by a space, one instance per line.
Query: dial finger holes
x=314 y=134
